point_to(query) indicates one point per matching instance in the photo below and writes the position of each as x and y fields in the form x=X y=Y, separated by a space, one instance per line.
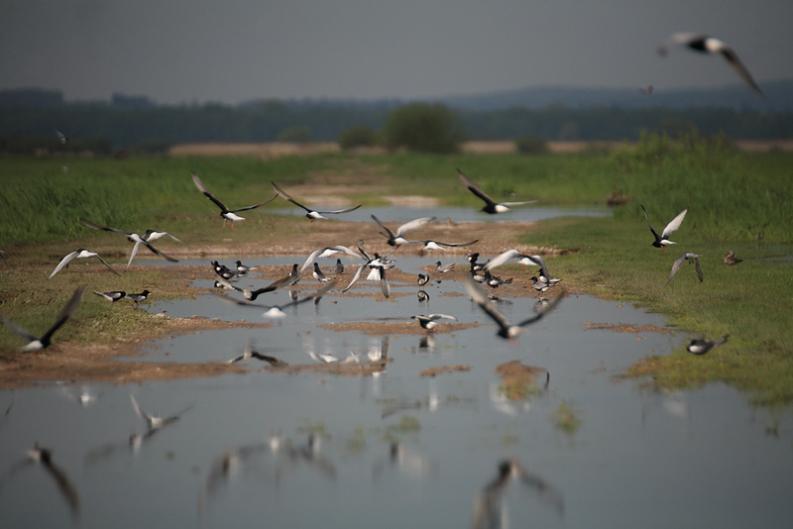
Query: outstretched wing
x=65 y=313
x=355 y=278
x=200 y=185
x=246 y=208
x=480 y=298
x=106 y=264
x=732 y=58
x=385 y=286
x=674 y=224
x=501 y=259
x=522 y=203
x=473 y=188
x=133 y=253
x=389 y=233
x=540 y=315
x=286 y=196
x=65 y=486
x=337 y=211
x=101 y=228
x=157 y=252
x=18 y=329
x=455 y=244
x=675 y=267
x=414 y=225
x=698 y=267
x=647 y=220
x=68 y=258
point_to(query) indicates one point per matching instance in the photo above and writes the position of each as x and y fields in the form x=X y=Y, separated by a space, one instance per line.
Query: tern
x=422 y=279
x=700 y=346
x=438 y=245
x=43 y=457
x=491 y=206
x=311 y=213
x=154 y=422
x=80 y=253
x=319 y=275
x=243 y=269
x=396 y=239
x=339 y=267
x=430 y=321
x=702 y=43
x=505 y=329
x=226 y=213
x=251 y=295
x=691 y=258
x=441 y=269
x=154 y=235
x=510 y=255
x=111 y=295
x=134 y=238
x=138 y=297
x=674 y=224
x=42 y=342
x=423 y=296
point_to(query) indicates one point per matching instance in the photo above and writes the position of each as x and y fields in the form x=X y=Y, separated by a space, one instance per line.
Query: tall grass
x=43 y=200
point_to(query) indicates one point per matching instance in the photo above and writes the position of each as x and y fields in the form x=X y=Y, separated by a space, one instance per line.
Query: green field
x=736 y=201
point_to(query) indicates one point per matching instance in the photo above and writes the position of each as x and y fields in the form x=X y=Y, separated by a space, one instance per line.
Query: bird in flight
x=312 y=214
x=691 y=258
x=37 y=343
x=491 y=206
x=663 y=239
x=702 y=43
x=226 y=213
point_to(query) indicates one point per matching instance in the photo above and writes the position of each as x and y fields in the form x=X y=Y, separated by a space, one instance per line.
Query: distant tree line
x=136 y=122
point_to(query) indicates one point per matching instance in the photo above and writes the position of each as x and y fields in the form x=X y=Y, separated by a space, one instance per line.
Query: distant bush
x=295 y=135
x=531 y=145
x=357 y=137
x=423 y=127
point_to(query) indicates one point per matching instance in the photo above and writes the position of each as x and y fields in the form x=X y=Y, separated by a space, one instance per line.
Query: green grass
x=43 y=200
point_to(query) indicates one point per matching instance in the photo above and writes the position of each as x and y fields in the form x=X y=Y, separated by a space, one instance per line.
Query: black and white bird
x=540 y=285
x=37 y=343
x=430 y=321
x=319 y=275
x=702 y=43
x=440 y=268
x=422 y=279
x=134 y=238
x=339 y=267
x=663 y=239
x=243 y=269
x=226 y=213
x=311 y=213
x=224 y=271
x=138 y=297
x=154 y=422
x=700 y=346
x=252 y=294
x=423 y=296
x=249 y=353
x=491 y=206
x=397 y=239
x=690 y=258
x=80 y=253
x=43 y=456
x=489 y=512
x=495 y=281
x=505 y=328
x=111 y=295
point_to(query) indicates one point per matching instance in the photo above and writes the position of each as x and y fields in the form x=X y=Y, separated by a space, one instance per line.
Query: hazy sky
x=234 y=50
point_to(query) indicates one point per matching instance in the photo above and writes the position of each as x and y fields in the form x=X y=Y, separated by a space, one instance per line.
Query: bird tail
x=723 y=339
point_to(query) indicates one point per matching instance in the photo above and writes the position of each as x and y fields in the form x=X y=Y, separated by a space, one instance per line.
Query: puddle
x=401 y=449
x=402 y=214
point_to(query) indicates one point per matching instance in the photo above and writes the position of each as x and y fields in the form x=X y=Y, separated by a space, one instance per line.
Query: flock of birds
x=377 y=266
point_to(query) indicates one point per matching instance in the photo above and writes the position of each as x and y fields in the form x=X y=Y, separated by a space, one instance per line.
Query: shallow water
x=389 y=214
x=639 y=459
